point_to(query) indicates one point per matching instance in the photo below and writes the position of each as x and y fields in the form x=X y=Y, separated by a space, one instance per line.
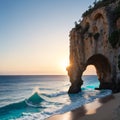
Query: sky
x=34 y=35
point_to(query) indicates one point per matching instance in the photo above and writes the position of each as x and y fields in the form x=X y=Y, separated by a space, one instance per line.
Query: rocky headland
x=95 y=40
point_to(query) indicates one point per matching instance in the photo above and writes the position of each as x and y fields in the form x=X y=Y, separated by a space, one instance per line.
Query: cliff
x=96 y=41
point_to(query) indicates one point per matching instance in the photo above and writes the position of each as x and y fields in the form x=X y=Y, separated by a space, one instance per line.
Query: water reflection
x=85 y=111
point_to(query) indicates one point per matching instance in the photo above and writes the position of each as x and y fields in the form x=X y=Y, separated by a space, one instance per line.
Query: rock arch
x=92 y=46
x=103 y=70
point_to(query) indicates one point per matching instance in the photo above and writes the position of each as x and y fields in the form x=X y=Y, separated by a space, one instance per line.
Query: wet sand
x=100 y=109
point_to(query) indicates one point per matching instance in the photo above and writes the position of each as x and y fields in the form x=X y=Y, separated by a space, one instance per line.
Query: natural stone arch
x=103 y=70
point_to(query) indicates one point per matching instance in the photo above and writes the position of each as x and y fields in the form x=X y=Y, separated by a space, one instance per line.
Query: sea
x=37 y=97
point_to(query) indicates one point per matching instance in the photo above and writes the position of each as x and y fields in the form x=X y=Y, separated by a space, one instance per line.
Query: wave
x=34 y=101
x=84 y=97
x=55 y=94
x=48 y=104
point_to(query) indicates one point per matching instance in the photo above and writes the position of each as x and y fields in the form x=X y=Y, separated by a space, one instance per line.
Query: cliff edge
x=96 y=41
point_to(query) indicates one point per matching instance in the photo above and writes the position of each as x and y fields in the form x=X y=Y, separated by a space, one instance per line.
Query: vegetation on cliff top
x=114 y=38
x=117 y=12
x=119 y=62
x=96 y=5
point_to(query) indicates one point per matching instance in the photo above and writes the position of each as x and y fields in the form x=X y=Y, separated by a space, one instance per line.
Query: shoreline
x=106 y=108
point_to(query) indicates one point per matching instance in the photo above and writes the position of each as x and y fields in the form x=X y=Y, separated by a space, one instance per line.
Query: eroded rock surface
x=96 y=41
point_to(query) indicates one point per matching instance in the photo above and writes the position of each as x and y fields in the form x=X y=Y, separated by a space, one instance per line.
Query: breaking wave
x=34 y=101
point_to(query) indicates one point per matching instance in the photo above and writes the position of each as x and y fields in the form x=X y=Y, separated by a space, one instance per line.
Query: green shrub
x=119 y=62
x=117 y=9
x=117 y=12
x=118 y=56
x=114 y=38
x=78 y=27
x=99 y=4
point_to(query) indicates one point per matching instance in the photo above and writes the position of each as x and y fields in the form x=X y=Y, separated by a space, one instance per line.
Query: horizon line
x=39 y=75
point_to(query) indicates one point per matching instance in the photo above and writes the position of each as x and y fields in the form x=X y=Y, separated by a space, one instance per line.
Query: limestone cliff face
x=92 y=42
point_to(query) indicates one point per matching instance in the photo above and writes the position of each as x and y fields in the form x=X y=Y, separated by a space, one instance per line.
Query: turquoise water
x=38 y=97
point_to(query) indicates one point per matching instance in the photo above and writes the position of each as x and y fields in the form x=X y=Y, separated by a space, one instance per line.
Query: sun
x=64 y=63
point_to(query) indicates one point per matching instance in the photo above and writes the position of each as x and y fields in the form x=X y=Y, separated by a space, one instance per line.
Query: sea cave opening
x=101 y=65
x=90 y=79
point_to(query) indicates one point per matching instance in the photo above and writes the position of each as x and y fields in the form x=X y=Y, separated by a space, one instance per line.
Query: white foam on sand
x=73 y=102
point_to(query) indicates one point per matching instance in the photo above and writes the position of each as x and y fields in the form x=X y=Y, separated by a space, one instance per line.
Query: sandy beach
x=107 y=108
